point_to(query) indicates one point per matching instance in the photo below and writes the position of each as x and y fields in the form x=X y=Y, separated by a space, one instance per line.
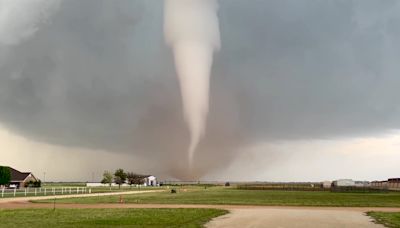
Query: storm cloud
x=98 y=75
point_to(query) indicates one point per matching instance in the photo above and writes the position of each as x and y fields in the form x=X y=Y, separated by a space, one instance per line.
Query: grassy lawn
x=220 y=195
x=389 y=219
x=66 y=191
x=107 y=217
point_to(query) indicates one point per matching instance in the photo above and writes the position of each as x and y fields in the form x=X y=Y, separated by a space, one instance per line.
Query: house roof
x=145 y=176
x=17 y=175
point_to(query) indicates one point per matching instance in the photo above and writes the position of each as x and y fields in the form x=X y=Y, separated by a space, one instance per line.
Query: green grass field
x=70 y=190
x=107 y=217
x=232 y=196
x=63 y=184
x=389 y=219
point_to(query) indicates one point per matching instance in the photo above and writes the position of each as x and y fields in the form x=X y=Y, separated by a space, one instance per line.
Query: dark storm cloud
x=99 y=75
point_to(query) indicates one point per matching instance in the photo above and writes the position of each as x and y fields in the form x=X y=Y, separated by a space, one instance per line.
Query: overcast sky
x=300 y=90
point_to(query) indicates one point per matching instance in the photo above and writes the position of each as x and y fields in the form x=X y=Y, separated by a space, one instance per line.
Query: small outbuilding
x=150 y=180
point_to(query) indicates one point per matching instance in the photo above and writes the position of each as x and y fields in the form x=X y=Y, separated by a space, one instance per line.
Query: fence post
x=90 y=191
x=62 y=190
x=44 y=191
x=77 y=190
x=2 y=192
x=70 y=190
x=35 y=191
x=54 y=192
x=25 y=191
x=15 y=191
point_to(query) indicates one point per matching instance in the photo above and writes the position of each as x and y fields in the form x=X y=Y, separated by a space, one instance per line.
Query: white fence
x=43 y=191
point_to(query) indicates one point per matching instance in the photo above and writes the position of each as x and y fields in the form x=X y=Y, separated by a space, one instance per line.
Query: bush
x=227 y=184
x=37 y=184
x=173 y=191
x=33 y=184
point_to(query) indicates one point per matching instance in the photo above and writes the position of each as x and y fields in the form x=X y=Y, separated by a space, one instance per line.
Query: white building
x=362 y=183
x=150 y=181
x=344 y=183
x=327 y=184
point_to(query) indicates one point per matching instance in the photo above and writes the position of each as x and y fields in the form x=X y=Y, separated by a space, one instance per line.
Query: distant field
x=122 y=189
x=389 y=219
x=232 y=196
x=63 y=184
x=107 y=217
x=82 y=184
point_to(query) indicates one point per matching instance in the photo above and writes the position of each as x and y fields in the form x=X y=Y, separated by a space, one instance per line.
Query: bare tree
x=107 y=178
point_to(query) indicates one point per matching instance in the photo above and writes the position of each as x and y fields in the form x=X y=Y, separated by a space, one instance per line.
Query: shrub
x=5 y=175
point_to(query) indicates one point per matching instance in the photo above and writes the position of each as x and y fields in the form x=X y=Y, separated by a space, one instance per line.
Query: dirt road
x=299 y=217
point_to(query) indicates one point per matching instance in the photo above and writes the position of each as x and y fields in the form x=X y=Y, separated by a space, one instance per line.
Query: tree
x=134 y=178
x=119 y=177
x=34 y=184
x=107 y=178
x=131 y=178
x=37 y=184
x=5 y=175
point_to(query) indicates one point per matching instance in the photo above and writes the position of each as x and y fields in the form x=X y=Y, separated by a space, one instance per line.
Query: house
x=21 y=179
x=394 y=183
x=391 y=183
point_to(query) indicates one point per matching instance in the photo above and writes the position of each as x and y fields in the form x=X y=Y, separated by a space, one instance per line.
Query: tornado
x=192 y=31
x=20 y=19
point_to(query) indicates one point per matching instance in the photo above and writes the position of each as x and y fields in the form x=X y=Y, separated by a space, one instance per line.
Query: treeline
x=121 y=177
